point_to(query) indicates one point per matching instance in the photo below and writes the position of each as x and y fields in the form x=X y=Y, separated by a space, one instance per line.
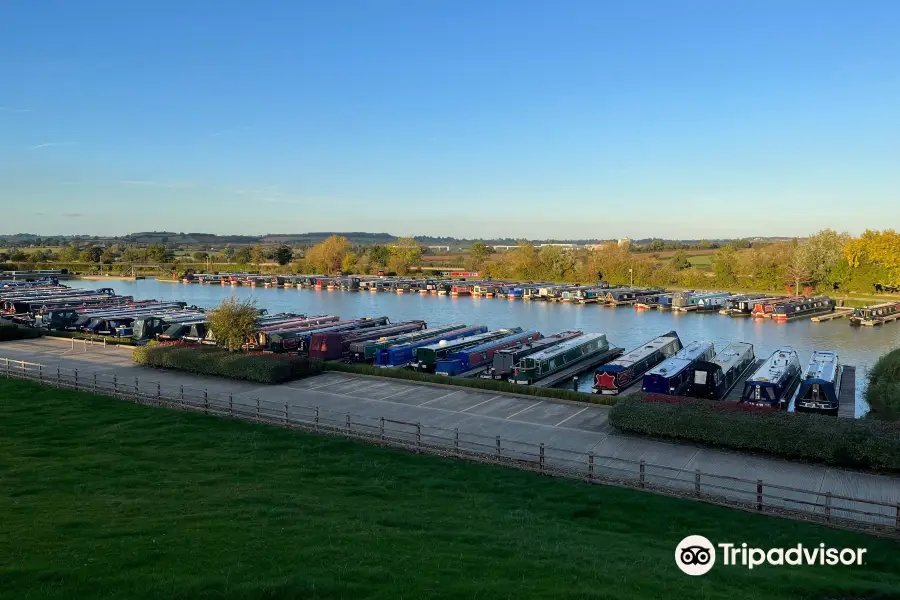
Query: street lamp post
x=631 y=272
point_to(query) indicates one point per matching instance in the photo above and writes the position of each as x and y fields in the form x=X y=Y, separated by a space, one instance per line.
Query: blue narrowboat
x=774 y=381
x=615 y=376
x=673 y=376
x=714 y=379
x=483 y=354
x=397 y=356
x=820 y=387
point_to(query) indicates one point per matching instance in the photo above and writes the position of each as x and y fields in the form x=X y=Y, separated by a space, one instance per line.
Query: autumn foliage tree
x=328 y=256
x=233 y=322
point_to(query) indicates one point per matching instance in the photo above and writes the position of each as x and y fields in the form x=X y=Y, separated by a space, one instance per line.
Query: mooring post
x=642 y=481
x=541 y=457
x=759 y=494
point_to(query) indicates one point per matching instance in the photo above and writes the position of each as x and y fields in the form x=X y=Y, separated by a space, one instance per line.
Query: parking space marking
x=570 y=416
x=439 y=398
x=524 y=409
x=403 y=391
x=479 y=404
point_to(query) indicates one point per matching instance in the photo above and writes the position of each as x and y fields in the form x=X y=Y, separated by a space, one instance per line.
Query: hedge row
x=840 y=442
x=883 y=391
x=210 y=360
x=78 y=335
x=476 y=383
x=9 y=333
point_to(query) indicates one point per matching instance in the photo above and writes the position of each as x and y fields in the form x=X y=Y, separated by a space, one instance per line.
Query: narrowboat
x=877 y=314
x=148 y=327
x=774 y=381
x=615 y=376
x=516 y=293
x=629 y=295
x=366 y=351
x=355 y=325
x=765 y=308
x=195 y=334
x=333 y=345
x=691 y=300
x=404 y=354
x=279 y=339
x=428 y=356
x=802 y=307
x=820 y=385
x=713 y=380
x=673 y=376
x=742 y=306
x=544 y=363
x=461 y=289
x=711 y=303
x=664 y=301
x=176 y=331
x=482 y=355
x=505 y=360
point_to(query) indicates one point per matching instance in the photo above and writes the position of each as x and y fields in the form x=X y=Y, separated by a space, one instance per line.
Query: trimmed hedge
x=830 y=440
x=883 y=391
x=475 y=383
x=210 y=360
x=10 y=333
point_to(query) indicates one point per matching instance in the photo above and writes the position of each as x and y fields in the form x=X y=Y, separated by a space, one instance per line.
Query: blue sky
x=459 y=117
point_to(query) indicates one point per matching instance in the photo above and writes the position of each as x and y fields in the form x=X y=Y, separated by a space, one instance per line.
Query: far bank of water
x=625 y=327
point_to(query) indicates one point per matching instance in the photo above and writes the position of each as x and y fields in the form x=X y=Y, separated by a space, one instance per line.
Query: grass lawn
x=106 y=499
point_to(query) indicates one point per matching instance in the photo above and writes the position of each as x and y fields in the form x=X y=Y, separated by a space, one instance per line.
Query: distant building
x=440 y=248
x=624 y=241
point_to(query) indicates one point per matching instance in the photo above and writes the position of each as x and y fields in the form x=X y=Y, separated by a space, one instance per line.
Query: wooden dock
x=579 y=367
x=847 y=398
x=839 y=313
x=734 y=395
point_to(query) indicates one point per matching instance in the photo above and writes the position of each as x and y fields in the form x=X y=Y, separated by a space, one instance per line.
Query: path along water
x=625 y=326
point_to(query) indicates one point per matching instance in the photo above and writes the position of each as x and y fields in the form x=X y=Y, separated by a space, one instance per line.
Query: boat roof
x=487 y=335
x=645 y=349
x=775 y=366
x=491 y=343
x=683 y=358
x=567 y=345
x=822 y=365
x=732 y=353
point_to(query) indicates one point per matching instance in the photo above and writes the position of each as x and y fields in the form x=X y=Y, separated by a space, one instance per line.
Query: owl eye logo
x=695 y=555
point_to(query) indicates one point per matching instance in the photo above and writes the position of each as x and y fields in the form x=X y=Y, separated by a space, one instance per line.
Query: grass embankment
x=106 y=499
x=883 y=390
x=852 y=443
x=470 y=382
x=211 y=360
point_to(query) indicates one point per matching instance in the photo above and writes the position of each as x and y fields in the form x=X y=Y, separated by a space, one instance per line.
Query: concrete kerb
x=448 y=386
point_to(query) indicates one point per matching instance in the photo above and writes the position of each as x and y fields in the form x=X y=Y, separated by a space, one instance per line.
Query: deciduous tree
x=233 y=322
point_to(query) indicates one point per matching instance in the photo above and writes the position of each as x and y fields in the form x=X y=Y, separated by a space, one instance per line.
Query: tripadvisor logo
x=696 y=555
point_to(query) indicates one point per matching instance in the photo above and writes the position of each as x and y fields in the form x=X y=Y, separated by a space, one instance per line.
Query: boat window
x=700 y=377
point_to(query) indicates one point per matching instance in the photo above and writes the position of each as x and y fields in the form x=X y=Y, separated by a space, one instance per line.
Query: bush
x=9 y=333
x=480 y=384
x=840 y=442
x=210 y=360
x=87 y=336
x=883 y=391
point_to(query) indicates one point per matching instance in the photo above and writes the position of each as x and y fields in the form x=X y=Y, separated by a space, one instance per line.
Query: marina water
x=624 y=326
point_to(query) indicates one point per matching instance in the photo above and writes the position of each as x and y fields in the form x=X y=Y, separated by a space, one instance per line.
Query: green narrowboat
x=539 y=365
x=427 y=356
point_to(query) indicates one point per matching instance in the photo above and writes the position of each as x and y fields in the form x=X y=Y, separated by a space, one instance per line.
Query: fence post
x=182 y=394
x=697 y=482
x=418 y=434
x=827 y=506
x=642 y=480
x=205 y=402
x=590 y=466
x=23 y=369
x=456 y=440
x=541 y=458
x=158 y=392
x=115 y=384
x=317 y=420
x=257 y=410
x=231 y=404
x=95 y=382
x=759 y=495
x=41 y=373
x=897 y=521
x=286 y=421
x=348 y=424
x=498 y=447
x=382 y=429
x=137 y=388
x=57 y=372
x=76 y=379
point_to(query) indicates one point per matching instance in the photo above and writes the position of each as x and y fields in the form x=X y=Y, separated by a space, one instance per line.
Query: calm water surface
x=624 y=327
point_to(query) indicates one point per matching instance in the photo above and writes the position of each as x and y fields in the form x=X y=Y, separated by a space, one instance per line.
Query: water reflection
x=625 y=327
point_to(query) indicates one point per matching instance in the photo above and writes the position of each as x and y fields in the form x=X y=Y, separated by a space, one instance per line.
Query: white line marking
x=479 y=404
x=524 y=409
x=439 y=398
x=403 y=391
x=315 y=387
x=570 y=416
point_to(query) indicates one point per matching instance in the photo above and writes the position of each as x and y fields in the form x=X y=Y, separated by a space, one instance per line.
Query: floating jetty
x=847 y=397
x=839 y=313
x=580 y=367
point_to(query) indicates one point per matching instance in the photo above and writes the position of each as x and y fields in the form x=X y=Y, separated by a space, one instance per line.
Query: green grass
x=106 y=499
x=700 y=260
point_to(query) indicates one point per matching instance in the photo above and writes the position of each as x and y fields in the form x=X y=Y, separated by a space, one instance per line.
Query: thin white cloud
x=52 y=145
